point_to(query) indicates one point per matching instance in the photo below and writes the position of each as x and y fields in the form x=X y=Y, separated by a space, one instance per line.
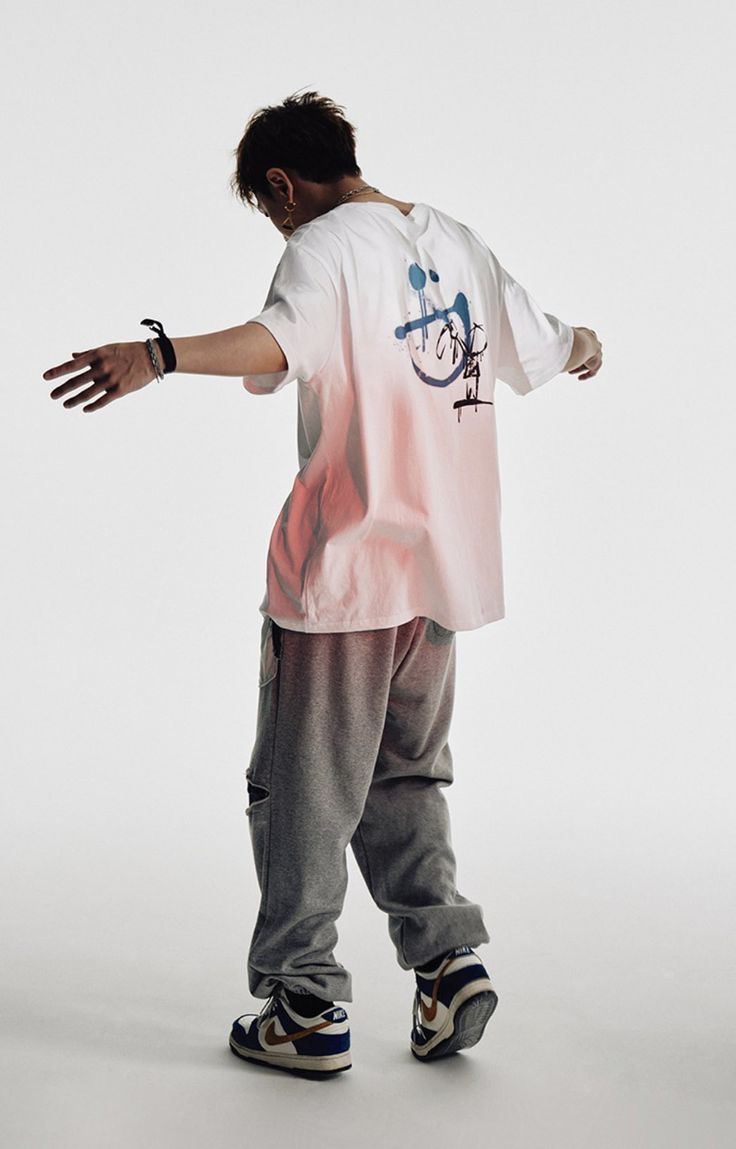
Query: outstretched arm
x=249 y=349
x=117 y=369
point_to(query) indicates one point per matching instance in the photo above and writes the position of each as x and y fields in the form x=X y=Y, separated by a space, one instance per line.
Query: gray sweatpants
x=352 y=747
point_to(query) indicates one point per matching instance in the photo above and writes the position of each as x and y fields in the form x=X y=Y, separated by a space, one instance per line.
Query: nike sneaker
x=285 y=1039
x=452 y=1004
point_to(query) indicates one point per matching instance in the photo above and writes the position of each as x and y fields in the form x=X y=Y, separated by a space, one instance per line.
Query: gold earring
x=288 y=223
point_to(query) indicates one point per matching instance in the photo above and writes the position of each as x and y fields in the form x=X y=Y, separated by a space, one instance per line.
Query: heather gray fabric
x=352 y=748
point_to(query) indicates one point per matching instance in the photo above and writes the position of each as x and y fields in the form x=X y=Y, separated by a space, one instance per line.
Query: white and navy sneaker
x=281 y=1037
x=452 y=1004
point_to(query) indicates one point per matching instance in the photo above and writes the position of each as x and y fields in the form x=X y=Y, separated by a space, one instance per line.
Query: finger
x=71 y=364
x=85 y=396
x=102 y=401
x=73 y=384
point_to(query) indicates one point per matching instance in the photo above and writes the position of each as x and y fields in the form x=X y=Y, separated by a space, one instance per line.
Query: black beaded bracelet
x=167 y=347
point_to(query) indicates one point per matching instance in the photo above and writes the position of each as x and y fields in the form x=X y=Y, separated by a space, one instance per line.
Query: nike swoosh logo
x=271 y=1037
x=429 y=1012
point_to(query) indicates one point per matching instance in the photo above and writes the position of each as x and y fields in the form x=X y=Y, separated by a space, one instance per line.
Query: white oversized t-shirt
x=395 y=328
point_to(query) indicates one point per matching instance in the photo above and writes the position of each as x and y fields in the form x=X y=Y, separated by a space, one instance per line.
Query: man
x=395 y=320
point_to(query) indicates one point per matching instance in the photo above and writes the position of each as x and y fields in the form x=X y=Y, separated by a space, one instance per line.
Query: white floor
x=614 y=1025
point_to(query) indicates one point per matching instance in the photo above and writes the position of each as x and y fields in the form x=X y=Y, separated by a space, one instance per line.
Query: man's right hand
x=586 y=354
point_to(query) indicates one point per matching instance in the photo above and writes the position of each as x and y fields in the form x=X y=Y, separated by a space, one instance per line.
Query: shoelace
x=268 y=1008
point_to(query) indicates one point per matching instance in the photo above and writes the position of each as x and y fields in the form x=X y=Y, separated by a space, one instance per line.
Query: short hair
x=307 y=134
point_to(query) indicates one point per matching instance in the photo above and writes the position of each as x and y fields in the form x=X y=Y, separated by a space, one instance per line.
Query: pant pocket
x=438 y=634
x=257 y=794
x=269 y=663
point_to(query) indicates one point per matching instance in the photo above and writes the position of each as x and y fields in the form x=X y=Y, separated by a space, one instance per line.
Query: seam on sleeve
x=550 y=373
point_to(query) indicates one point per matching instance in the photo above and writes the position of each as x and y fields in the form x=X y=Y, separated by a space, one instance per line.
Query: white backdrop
x=593 y=734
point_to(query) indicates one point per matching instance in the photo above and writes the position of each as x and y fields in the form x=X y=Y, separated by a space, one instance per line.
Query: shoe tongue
x=460 y=950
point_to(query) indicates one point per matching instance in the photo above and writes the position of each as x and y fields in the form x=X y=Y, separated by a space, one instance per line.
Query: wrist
x=593 y=344
x=587 y=344
x=166 y=354
x=161 y=347
x=151 y=352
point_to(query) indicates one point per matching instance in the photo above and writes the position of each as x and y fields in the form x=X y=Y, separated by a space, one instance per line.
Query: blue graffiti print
x=460 y=342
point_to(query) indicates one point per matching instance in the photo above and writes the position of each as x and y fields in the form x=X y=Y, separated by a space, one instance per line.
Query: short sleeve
x=300 y=311
x=533 y=346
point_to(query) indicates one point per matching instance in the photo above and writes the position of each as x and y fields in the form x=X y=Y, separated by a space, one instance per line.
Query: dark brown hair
x=307 y=134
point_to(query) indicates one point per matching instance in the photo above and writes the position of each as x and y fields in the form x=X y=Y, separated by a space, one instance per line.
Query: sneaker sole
x=307 y=1066
x=465 y=1023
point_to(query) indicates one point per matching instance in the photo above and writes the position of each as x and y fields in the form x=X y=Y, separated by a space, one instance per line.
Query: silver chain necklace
x=355 y=191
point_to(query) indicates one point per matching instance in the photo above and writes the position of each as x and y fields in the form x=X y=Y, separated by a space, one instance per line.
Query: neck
x=337 y=191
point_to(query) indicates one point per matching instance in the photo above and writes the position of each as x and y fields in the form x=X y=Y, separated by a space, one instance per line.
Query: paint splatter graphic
x=458 y=341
